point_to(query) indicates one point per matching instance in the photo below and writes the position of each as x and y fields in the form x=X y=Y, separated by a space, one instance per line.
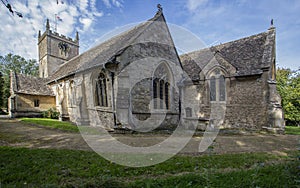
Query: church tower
x=54 y=50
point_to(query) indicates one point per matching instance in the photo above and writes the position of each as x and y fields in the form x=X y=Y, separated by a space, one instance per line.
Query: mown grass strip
x=292 y=130
x=278 y=175
x=62 y=125
x=55 y=168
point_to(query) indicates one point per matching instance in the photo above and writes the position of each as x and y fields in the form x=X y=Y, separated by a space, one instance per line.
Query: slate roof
x=102 y=53
x=30 y=85
x=248 y=55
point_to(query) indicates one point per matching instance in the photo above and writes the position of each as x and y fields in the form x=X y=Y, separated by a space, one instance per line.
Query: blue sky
x=213 y=21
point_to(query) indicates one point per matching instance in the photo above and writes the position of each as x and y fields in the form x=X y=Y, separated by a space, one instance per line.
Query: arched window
x=167 y=95
x=155 y=92
x=212 y=88
x=222 y=88
x=217 y=86
x=161 y=93
x=100 y=91
x=161 y=88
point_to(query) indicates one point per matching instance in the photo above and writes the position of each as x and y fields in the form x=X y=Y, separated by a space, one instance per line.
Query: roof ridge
x=248 y=55
x=140 y=24
x=30 y=76
x=228 y=42
x=139 y=28
x=29 y=84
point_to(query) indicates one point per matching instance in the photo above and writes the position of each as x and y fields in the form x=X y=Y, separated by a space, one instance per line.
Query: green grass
x=270 y=176
x=21 y=167
x=292 y=130
x=62 y=125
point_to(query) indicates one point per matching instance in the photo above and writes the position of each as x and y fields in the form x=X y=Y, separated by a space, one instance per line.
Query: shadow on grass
x=69 y=168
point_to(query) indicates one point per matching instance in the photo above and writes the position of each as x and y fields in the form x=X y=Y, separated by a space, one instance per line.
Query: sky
x=212 y=21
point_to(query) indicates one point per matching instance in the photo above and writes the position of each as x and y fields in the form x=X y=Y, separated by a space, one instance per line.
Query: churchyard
x=34 y=155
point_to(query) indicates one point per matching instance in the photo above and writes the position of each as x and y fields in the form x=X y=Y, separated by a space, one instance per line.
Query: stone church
x=137 y=80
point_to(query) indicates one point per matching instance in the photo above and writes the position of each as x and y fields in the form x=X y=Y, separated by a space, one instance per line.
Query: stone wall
x=25 y=105
x=141 y=97
x=246 y=106
x=26 y=102
x=100 y=116
x=134 y=94
x=246 y=103
x=104 y=118
x=138 y=62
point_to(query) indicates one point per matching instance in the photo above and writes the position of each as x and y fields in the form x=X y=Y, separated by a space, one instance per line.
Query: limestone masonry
x=136 y=80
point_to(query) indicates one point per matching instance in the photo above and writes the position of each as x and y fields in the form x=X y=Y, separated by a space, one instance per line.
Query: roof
x=30 y=85
x=102 y=53
x=249 y=55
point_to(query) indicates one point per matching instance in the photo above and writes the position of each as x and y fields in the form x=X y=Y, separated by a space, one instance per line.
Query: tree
x=288 y=86
x=16 y=64
x=1 y=89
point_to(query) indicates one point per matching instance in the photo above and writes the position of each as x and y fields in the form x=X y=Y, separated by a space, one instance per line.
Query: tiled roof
x=102 y=53
x=248 y=55
x=30 y=85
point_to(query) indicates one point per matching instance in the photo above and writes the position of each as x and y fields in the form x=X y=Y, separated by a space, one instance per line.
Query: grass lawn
x=292 y=130
x=62 y=125
x=21 y=167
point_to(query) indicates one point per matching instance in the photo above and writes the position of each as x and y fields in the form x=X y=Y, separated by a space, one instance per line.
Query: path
x=16 y=133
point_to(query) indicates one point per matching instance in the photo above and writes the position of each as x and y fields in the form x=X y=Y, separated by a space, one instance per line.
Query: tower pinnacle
x=77 y=36
x=47 y=25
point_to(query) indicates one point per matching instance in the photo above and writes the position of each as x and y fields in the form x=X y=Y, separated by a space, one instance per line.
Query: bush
x=2 y=112
x=51 y=113
x=288 y=86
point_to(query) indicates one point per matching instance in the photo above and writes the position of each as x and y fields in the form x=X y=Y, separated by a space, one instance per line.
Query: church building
x=138 y=81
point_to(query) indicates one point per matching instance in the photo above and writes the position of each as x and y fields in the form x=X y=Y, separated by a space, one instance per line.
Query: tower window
x=64 y=48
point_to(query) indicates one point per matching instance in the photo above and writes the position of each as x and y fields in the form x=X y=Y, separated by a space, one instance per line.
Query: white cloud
x=86 y=23
x=109 y=3
x=224 y=21
x=94 y=9
x=20 y=34
x=117 y=3
x=194 y=4
x=83 y=4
